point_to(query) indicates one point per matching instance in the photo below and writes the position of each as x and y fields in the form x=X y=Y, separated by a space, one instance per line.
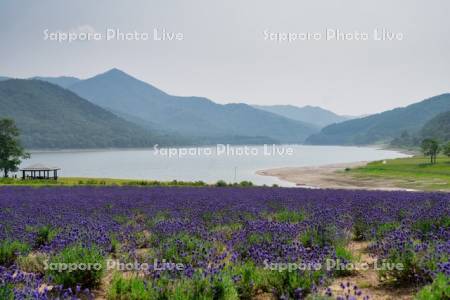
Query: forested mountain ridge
x=437 y=128
x=382 y=127
x=51 y=117
x=195 y=118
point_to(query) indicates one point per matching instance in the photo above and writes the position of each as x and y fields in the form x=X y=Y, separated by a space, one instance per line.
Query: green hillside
x=382 y=127
x=51 y=117
x=438 y=128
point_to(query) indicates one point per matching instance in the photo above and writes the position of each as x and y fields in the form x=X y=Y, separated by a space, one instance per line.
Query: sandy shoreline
x=329 y=176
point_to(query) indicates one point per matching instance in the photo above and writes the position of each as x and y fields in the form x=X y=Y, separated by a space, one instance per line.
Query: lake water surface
x=208 y=164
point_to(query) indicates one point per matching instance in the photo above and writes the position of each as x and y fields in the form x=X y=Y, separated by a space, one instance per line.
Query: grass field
x=86 y=181
x=72 y=181
x=414 y=172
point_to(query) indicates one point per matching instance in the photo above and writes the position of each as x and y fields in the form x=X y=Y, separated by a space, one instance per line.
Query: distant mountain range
x=146 y=115
x=195 y=117
x=51 y=117
x=63 y=81
x=382 y=127
x=114 y=109
x=310 y=114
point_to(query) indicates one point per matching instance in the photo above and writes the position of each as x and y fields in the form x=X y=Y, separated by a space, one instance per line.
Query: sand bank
x=330 y=176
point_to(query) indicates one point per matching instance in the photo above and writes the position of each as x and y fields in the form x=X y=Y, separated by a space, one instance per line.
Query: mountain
x=52 y=117
x=382 y=127
x=62 y=81
x=438 y=128
x=310 y=114
x=195 y=117
x=3 y=78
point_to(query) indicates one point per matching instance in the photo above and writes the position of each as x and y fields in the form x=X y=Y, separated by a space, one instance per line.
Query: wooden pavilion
x=39 y=171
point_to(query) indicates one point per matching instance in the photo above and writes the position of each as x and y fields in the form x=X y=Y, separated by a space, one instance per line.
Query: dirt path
x=367 y=280
x=330 y=176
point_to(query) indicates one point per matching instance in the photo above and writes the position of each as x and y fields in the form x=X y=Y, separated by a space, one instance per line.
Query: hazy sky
x=224 y=54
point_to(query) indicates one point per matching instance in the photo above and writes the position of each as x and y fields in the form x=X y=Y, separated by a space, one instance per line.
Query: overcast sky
x=224 y=54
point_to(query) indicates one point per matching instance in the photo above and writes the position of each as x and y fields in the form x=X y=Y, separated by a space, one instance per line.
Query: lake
x=209 y=164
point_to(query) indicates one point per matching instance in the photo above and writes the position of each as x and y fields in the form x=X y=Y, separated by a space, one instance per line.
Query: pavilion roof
x=39 y=167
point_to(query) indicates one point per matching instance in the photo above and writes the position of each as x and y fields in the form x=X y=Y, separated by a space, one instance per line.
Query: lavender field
x=215 y=243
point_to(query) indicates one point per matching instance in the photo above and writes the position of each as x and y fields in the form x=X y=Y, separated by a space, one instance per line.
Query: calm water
x=208 y=164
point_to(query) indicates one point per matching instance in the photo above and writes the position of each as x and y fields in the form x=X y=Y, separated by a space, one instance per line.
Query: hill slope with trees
x=49 y=116
x=438 y=128
x=383 y=127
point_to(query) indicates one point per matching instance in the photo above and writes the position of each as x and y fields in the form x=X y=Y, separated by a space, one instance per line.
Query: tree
x=430 y=148
x=11 y=150
x=446 y=149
